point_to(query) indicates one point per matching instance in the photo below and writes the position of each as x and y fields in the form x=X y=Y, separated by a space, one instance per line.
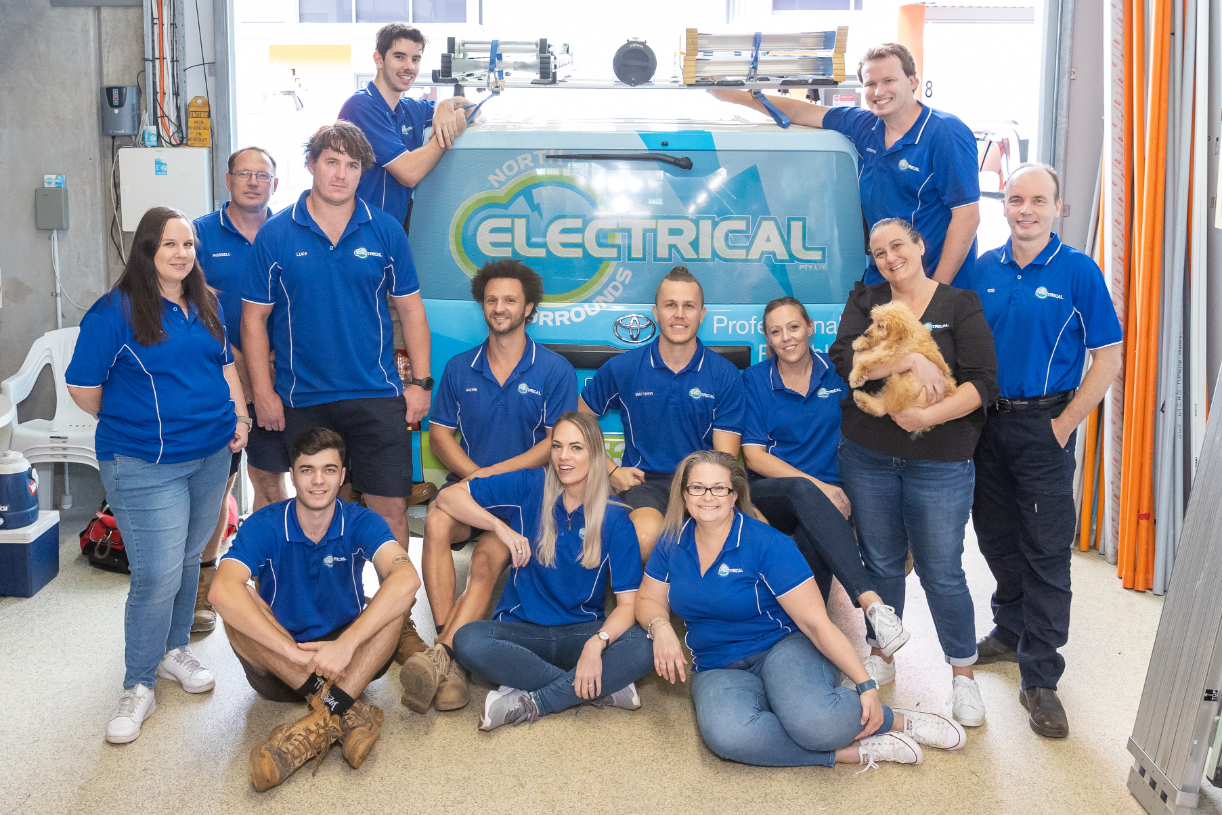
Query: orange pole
x=1088 y=480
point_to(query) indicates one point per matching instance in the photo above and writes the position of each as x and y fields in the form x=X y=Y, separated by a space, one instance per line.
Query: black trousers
x=1025 y=522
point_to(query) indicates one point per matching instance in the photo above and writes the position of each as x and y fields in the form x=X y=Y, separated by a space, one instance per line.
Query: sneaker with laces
x=135 y=705
x=932 y=729
x=409 y=640
x=888 y=628
x=421 y=675
x=891 y=746
x=967 y=705
x=879 y=669
x=626 y=698
x=359 y=729
x=182 y=666
x=290 y=746
x=509 y=707
x=452 y=690
x=205 y=614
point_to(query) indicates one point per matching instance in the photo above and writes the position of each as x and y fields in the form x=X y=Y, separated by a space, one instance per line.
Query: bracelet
x=613 y=469
x=652 y=623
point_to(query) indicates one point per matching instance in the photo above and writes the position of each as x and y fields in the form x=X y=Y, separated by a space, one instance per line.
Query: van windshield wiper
x=682 y=162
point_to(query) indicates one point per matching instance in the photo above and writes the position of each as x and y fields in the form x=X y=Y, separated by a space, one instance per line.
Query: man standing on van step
x=674 y=396
x=324 y=268
x=502 y=397
x=226 y=240
x=1047 y=304
x=916 y=163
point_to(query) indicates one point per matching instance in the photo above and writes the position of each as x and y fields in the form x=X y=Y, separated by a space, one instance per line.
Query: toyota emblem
x=634 y=328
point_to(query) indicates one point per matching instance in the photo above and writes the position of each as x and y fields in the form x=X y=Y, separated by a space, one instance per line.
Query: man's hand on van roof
x=799 y=111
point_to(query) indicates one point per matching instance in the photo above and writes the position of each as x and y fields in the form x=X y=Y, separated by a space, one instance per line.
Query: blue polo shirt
x=565 y=592
x=332 y=333
x=498 y=421
x=224 y=255
x=1044 y=317
x=929 y=171
x=667 y=415
x=391 y=133
x=802 y=430
x=731 y=611
x=165 y=403
x=312 y=588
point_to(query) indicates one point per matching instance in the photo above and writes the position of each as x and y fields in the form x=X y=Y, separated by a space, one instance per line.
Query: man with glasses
x=226 y=239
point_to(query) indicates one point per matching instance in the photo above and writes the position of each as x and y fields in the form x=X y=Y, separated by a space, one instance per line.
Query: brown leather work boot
x=359 y=729
x=205 y=614
x=422 y=493
x=290 y=746
x=409 y=640
x=421 y=675
x=452 y=690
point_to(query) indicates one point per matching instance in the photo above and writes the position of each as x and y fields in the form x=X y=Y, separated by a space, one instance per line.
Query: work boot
x=409 y=639
x=421 y=675
x=290 y=746
x=1047 y=716
x=452 y=690
x=205 y=614
x=990 y=649
x=422 y=493
x=359 y=729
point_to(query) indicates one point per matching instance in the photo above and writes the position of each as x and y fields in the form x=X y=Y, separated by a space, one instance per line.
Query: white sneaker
x=888 y=628
x=135 y=706
x=182 y=666
x=967 y=705
x=932 y=729
x=890 y=746
x=879 y=669
x=626 y=698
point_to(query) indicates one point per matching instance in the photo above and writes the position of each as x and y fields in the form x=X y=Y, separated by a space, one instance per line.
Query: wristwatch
x=246 y=420
x=426 y=383
x=606 y=638
x=869 y=684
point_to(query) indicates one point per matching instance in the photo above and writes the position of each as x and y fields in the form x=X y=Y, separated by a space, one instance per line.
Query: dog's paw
x=856 y=379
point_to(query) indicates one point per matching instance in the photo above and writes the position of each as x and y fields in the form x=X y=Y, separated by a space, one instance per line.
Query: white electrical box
x=179 y=177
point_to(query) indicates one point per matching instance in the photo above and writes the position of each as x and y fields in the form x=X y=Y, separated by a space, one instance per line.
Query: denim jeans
x=783 y=707
x=901 y=503
x=543 y=659
x=166 y=514
x=825 y=538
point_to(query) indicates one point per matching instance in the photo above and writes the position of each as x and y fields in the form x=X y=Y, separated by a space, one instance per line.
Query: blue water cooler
x=18 y=491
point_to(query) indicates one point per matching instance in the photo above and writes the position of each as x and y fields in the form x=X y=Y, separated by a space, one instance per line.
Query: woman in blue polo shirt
x=789 y=442
x=152 y=363
x=549 y=643
x=767 y=659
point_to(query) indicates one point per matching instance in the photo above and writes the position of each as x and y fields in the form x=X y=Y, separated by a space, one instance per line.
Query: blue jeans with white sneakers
x=166 y=514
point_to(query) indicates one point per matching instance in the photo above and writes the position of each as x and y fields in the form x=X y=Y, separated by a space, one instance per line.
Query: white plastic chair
x=68 y=438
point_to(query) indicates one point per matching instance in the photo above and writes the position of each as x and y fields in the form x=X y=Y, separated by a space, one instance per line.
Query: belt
x=1036 y=402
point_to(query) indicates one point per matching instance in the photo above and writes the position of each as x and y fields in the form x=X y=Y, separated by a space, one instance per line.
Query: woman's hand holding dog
x=929 y=376
x=911 y=419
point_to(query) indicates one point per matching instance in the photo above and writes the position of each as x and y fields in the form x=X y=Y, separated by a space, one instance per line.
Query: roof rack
x=755 y=60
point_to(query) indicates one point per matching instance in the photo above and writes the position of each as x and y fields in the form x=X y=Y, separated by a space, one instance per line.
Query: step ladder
x=746 y=60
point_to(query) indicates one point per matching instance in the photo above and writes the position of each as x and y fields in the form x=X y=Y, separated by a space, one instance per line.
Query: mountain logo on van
x=634 y=328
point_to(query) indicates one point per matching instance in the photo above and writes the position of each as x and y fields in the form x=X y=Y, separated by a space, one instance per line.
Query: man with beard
x=502 y=397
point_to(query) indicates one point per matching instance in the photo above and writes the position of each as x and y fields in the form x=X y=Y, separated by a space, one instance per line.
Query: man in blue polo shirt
x=306 y=632
x=1047 y=304
x=915 y=162
x=674 y=396
x=226 y=238
x=324 y=268
x=502 y=397
x=394 y=125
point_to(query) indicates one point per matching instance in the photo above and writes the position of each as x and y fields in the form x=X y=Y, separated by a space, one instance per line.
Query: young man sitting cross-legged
x=306 y=632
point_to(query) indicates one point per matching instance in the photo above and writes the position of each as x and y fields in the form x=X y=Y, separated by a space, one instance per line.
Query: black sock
x=312 y=685
x=337 y=701
x=440 y=627
x=449 y=650
x=211 y=564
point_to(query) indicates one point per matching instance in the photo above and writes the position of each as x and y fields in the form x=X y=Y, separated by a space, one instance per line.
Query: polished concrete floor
x=61 y=667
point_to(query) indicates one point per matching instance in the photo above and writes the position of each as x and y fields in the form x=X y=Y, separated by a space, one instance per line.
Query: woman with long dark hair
x=153 y=364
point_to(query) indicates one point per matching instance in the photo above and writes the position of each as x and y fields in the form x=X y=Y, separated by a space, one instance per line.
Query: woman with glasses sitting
x=765 y=656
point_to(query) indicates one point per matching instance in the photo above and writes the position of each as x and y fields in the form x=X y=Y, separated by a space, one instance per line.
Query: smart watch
x=869 y=684
x=426 y=383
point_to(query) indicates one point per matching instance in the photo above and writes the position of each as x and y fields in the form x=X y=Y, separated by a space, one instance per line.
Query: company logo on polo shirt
x=220 y=254
x=1043 y=293
x=904 y=165
x=932 y=326
x=726 y=570
x=823 y=393
x=696 y=393
x=363 y=253
x=331 y=559
x=525 y=389
x=581 y=533
x=406 y=130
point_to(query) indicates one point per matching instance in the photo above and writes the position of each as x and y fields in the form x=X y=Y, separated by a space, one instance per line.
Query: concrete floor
x=62 y=670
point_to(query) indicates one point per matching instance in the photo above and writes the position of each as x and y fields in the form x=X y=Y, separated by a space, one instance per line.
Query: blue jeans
x=783 y=707
x=166 y=514
x=901 y=503
x=543 y=659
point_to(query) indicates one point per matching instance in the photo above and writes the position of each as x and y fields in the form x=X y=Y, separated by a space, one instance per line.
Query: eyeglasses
x=245 y=175
x=719 y=491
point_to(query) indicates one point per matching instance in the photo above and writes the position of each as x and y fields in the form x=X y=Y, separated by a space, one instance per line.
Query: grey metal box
x=51 y=207
x=120 y=110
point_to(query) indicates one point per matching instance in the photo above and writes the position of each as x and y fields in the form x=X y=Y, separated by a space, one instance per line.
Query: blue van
x=602 y=210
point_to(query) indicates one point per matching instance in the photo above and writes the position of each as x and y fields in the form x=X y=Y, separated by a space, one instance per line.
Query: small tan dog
x=894 y=333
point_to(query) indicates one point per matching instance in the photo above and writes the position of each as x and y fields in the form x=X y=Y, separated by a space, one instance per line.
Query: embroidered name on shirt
x=302 y=254
x=472 y=390
x=525 y=389
x=220 y=254
x=696 y=393
x=726 y=570
x=643 y=393
x=871 y=150
x=1043 y=293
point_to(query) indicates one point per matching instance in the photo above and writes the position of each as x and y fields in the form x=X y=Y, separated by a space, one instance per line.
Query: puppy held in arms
x=894 y=333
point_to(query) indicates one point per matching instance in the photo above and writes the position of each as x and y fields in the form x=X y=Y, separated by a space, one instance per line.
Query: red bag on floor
x=102 y=542
x=231 y=525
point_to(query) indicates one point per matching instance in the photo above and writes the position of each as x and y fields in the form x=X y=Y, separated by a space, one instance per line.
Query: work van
x=602 y=210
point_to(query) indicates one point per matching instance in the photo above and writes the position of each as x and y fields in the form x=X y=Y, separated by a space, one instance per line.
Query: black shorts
x=272 y=687
x=375 y=430
x=264 y=449
x=654 y=492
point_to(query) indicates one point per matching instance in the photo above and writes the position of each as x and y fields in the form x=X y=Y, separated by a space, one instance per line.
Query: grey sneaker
x=626 y=698
x=889 y=630
x=508 y=707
